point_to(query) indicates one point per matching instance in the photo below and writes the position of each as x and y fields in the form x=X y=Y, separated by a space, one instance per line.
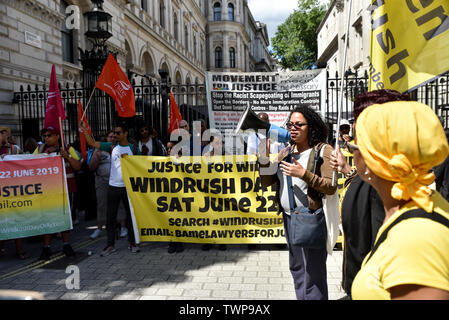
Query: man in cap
x=5 y=146
x=72 y=161
x=343 y=136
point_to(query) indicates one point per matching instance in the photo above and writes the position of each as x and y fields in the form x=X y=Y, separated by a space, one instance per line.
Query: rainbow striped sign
x=33 y=196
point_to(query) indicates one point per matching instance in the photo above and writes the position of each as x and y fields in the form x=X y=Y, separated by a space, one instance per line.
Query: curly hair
x=364 y=100
x=318 y=130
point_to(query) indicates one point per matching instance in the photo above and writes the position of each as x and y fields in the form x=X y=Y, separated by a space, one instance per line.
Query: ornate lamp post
x=99 y=30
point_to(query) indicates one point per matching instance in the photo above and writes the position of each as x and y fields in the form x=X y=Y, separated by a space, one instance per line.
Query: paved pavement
x=237 y=273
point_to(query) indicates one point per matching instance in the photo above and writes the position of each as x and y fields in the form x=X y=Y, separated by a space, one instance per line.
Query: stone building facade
x=187 y=38
x=331 y=37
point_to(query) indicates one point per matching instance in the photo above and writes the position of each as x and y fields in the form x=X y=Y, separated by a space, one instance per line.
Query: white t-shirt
x=116 y=177
x=149 y=145
x=303 y=159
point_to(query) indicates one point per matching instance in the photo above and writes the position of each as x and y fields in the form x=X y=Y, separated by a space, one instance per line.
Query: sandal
x=22 y=255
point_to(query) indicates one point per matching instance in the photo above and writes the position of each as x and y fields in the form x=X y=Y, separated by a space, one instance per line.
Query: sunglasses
x=351 y=147
x=297 y=125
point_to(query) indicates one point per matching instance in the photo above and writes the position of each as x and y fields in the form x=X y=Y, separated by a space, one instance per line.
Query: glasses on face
x=117 y=133
x=351 y=147
x=297 y=125
x=47 y=135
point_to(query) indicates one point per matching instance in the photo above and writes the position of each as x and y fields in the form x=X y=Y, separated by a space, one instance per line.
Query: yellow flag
x=409 y=43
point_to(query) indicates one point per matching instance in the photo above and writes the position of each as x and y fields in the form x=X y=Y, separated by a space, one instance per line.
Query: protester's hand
x=338 y=161
x=65 y=154
x=283 y=153
x=145 y=150
x=82 y=127
x=123 y=155
x=294 y=169
x=346 y=137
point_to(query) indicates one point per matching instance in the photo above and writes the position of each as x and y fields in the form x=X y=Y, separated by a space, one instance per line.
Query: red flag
x=54 y=109
x=175 y=115
x=82 y=137
x=114 y=82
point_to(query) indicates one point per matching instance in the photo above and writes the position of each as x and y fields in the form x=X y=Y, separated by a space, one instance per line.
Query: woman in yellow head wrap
x=398 y=143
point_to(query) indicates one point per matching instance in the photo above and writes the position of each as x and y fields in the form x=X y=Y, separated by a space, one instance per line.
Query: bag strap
x=416 y=213
x=316 y=157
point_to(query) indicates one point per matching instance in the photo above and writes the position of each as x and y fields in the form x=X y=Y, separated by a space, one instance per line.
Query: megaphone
x=250 y=120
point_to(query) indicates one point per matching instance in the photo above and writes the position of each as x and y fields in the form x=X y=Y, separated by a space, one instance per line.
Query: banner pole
x=339 y=107
x=88 y=102
x=62 y=133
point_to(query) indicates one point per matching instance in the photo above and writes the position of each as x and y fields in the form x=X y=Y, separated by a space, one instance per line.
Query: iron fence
x=150 y=99
x=434 y=94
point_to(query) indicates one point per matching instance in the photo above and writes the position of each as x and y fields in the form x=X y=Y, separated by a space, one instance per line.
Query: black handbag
x=307 y=228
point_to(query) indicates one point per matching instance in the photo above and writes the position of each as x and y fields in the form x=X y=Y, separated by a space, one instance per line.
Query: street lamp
x=99 y=24
x=99 y=30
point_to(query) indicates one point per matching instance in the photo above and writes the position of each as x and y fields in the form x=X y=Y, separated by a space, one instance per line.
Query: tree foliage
x=295 y=43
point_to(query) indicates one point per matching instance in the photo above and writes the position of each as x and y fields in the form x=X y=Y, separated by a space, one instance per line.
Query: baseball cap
x=344 y=122
x=50 y=129
x=3 y=128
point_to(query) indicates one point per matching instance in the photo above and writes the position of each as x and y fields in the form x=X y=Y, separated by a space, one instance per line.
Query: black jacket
x=362 y=214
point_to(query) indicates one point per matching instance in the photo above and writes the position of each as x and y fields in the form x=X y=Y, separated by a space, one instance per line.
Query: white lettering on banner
x=115 y=95
x=121 y=87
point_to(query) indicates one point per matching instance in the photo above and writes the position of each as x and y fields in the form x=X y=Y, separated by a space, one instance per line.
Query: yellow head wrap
x=401 y=141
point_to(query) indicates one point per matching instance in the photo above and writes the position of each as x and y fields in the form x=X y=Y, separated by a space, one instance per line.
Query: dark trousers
x=308 y=268
x=115 y=195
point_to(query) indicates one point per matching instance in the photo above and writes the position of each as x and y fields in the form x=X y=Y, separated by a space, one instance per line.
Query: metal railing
x=150 y=98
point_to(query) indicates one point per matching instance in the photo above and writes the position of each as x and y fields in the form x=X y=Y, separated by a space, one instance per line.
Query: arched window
x=232 y=57
x=218 y=58
x=231 y=12
x=176 y=26
x=217 y=11
x=162 y=13
x=66 y=37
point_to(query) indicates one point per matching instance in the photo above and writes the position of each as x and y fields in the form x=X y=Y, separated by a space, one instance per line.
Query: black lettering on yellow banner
x=221 y=201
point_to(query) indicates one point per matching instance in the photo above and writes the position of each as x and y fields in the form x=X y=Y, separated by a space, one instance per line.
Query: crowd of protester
x=395 y=220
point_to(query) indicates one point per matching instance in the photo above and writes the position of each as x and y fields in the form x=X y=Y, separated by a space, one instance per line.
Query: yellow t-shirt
x=416 y=251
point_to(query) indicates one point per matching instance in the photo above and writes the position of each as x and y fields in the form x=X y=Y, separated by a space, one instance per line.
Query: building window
x=162 y=13
x=143 y=4
x=217 y=11
x=232 y=57
x=218 y=58
x=186 y=36
x=194 y=46
x=176 y=26
x=231 y=12
x=67 y=37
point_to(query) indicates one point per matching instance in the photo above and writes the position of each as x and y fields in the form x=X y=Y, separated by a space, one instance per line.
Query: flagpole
x=62 y=135
x=88 y=102
x=339 y=107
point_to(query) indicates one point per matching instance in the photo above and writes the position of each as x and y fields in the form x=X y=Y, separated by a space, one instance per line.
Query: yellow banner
x=409 y=43
x=201 y=200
